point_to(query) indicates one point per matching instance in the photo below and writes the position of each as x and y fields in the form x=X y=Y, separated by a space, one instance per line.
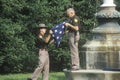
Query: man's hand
x=51 y=32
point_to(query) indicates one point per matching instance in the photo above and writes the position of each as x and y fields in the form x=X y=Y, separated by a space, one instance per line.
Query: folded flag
x=58 y=32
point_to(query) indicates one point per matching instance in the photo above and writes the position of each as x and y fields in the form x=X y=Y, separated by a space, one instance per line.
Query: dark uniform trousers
x=43 y=66
x=73 y=43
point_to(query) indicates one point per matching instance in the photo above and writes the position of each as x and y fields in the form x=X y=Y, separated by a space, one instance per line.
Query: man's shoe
x=74 y=67
x=29 y=79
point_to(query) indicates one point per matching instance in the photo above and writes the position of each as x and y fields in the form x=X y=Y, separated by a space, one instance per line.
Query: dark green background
x=18 y=22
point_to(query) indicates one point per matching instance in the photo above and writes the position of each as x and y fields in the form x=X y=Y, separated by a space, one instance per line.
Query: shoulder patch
x=75 y=20
x=40 y=36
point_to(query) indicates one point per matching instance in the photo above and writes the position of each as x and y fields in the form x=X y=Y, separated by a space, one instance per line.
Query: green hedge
x=18 y=22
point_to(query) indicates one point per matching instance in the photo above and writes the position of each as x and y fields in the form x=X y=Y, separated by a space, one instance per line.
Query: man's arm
x=76 y=28
x=48 y=37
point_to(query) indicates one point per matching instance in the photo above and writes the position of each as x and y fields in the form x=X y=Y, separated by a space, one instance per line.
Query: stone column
x=108 y=3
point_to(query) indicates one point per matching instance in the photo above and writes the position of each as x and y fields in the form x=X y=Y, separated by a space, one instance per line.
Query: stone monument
x=102 y=55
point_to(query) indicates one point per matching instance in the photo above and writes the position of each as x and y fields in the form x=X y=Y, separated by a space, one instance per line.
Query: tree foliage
x=18 y=22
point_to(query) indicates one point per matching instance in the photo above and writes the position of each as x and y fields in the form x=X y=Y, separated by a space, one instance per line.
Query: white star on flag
x=55 y=30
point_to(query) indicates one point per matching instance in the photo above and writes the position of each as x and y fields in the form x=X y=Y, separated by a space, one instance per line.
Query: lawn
x=52 y=76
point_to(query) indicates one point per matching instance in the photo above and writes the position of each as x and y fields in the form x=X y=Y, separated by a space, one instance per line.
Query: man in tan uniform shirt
x=44 y=38
x=73 y=29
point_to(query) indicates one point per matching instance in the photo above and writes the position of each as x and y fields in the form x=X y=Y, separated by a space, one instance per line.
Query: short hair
x=70 y=10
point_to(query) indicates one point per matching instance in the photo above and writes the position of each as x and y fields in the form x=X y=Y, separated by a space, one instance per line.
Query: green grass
x=52 y=76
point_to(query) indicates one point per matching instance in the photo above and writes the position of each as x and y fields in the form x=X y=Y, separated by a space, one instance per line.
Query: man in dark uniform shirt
x=44 y=38
x=73 y=29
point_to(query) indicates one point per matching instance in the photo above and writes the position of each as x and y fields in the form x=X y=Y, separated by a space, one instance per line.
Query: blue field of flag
x=58 y=32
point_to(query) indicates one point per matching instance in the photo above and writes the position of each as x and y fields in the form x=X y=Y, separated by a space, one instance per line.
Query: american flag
x=58 y=32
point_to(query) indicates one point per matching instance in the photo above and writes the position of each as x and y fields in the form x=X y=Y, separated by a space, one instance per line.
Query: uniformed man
x=73 y=29
x=44 y=38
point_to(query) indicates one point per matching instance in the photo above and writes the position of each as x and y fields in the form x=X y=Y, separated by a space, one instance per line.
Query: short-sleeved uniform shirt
x=40 y=42
x=75 y=21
